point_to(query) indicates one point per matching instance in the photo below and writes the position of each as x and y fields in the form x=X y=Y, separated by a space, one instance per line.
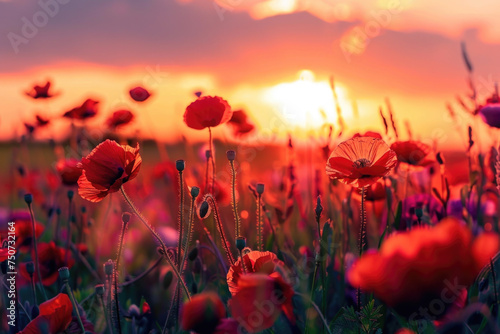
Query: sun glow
x=307 y=103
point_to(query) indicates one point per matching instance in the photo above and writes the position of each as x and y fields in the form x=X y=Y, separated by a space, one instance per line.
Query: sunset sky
x=272 y=58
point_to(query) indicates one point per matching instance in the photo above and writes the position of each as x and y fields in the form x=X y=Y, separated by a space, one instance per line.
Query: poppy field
x=249 y=166
x=367 y=233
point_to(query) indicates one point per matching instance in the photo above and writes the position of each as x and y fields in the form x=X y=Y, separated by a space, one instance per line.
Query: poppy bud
x=58 y=211
x=193 y=254
x=28 y=198
x=84 y=209
x=133 y=311
x=64 y=273
x=108 y=267
x=35 y=311
x=99 y=289
x=180 y=165
x=198 y=93
x=30 y=268
x=195 y=191
x=204 y=209
x=241 y=243
x=126 y=217
x=419 y=212
x=231 y=155
x=260 y=188
x=167 y=280
x=208 y=154
x=439 y=158
x=71 y=193
x=319 y=207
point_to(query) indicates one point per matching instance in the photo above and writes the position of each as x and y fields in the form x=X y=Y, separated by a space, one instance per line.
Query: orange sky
x=273 y=58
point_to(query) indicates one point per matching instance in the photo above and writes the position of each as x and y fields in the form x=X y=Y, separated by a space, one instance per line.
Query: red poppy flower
x=120 y=117
x=41 y=121
x=54 y=317
x=360 y=161
x=413 y=268
x=255 y=262
x=375 y=192
x=413 y=153
x=40 y=92
x=202 y=313
x=490 y=114
x=50 y=259
x=260 y=300
x=139 y=94
x=207 y=111
x=240 y=124
x=69 y=171
x=106 y=169
x=88 y=109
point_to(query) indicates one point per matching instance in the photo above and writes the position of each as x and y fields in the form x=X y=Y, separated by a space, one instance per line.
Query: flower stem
x=162 y=244
x=260 y=242
x=35 y=248
x=362 y=238
x=115 y=276
x=233 y=202
x=212 y=155
x=210 y=199
x=75 y=305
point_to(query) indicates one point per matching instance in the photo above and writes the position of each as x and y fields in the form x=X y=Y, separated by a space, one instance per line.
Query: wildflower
x=240 y=124
x=106 y=169
x=51 y=258
x=88 y=109
x=413 y=153
x=54 y=317
x=119 y=117
x=413 y=268
x=202 y=313
x=69 y=171
x=490 y=114
x=207 y=111
x=376 y=192
x=360 y=161
x=139 y=94
x=40 y=92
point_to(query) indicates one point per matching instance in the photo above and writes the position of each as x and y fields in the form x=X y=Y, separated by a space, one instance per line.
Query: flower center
x=360 y=163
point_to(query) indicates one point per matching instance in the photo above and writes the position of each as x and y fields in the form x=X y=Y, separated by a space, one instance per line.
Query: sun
x=306 y=102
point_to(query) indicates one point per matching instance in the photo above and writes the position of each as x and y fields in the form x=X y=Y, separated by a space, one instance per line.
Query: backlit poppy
x=240 y=124
x=69 y=171
x=40 y=92
x=375 y=192
x=202 y=313
x=54 y=317
x=106 y=169
x=360 y=161
x=139 y=94
x=255 y=262
x=412 y=152
x=50 y=259
x=412 y=269
x=207 y=111
x=88 y=109
x=119 y=117
x=490 y=114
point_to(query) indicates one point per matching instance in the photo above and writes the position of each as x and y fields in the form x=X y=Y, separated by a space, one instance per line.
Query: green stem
x=162 y=244
x=37 y=266
x=260 y=242
x=235 y=205
x=212 y=156
x=75 y=305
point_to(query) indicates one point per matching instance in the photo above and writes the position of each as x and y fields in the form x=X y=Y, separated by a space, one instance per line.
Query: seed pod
x=193 y=254
x=204 y=209
x=167 y=280
x=180 y=165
